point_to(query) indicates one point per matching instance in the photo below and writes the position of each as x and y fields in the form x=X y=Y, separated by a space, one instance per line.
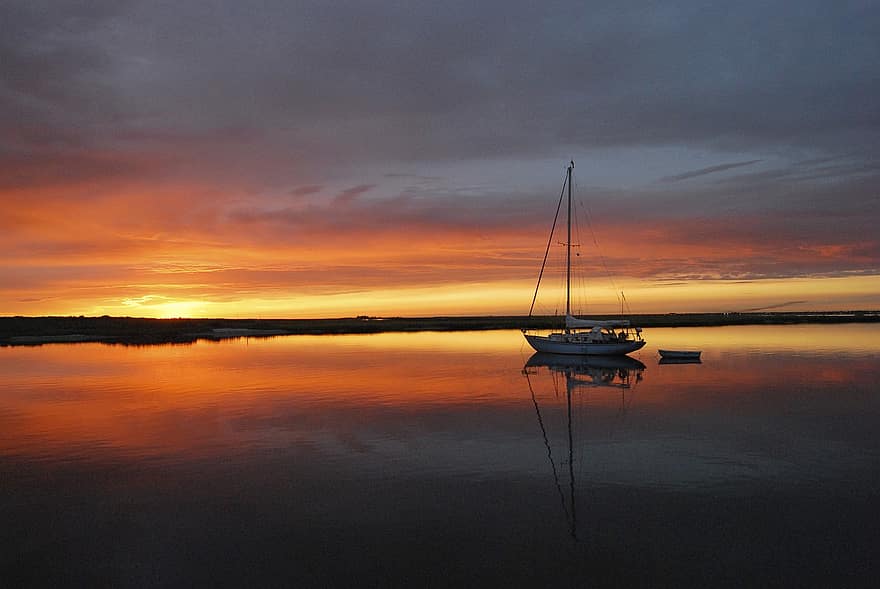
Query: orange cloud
x=108 y=239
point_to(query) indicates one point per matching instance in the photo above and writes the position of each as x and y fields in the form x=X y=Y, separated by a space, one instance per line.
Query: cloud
x=57 y=86
x=306 y=190
x=348 y=195
x=776 y=306
x=709 y=170
x=67 y=168
x=296 y=89
x=145 y=300
x=372 y=81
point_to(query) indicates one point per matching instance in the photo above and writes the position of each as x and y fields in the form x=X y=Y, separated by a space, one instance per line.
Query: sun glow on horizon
x=501 y=297
x=170 y=309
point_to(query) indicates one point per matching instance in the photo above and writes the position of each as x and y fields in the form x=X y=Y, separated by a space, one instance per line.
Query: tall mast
x=568 y=250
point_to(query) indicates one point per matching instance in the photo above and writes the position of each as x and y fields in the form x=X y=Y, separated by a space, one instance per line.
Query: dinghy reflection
x=680 y=360
x=555 y=378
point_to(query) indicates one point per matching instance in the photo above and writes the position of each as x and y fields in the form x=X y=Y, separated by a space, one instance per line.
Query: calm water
x=443 y=460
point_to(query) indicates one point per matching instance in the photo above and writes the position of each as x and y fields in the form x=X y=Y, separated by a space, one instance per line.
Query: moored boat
x=581 y=336
x=680 y=354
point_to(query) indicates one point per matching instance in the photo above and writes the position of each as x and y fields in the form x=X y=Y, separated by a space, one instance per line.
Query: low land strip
x=140 y=331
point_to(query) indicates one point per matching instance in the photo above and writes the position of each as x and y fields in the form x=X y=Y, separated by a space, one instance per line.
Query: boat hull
x=543 y=343
x=680 y=354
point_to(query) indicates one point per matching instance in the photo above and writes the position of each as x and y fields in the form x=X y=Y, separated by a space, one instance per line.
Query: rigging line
x=583 y=297
x=586 y=213
x=581 y=273
x=571 y=467
x=625 y=302
x=598 y=249
x=547 y=251
x=582 y=415
x=549 y=449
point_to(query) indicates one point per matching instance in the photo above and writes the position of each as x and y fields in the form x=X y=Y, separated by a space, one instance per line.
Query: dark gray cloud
x=422 y=80
x=709 y=170
x=302 y=191
x=348 y=195
x=56 y=75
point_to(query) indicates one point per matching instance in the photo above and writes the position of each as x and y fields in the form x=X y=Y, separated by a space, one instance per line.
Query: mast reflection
x=578 y=373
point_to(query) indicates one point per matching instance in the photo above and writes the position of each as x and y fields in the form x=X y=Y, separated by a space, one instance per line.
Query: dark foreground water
x=446 y=460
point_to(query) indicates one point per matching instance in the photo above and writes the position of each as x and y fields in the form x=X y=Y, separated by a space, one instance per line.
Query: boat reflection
x=602 y=371
x=578 y=373
x=679 y=361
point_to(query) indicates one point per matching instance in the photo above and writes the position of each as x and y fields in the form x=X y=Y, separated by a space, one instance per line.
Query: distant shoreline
x=139 y=331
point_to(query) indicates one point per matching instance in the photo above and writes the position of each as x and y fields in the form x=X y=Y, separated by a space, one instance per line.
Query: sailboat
x=581 y=336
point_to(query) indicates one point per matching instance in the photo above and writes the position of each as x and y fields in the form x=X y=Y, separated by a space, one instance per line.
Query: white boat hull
x=542 y=343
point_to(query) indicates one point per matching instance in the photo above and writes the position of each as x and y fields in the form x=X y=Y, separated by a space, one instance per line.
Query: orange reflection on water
x=158 y=399
x=842 y=338
x=210 y=397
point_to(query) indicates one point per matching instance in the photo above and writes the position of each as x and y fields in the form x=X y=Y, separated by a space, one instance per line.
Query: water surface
x=442 y=459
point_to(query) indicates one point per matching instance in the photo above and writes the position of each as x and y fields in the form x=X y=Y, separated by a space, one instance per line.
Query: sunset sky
x=324 y=158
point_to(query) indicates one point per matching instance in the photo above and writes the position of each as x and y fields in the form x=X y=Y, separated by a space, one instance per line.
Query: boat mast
x=568 y=252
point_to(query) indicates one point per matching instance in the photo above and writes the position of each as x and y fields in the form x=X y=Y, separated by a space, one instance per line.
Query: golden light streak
x=462 y=298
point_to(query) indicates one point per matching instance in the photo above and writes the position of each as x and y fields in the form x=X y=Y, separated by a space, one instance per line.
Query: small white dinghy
x=680 y=354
